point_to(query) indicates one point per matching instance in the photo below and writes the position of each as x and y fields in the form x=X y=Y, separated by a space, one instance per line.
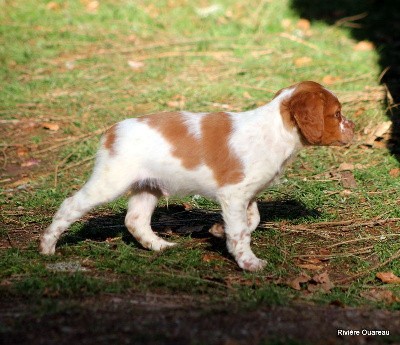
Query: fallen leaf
x=376 y=133
x=286 y=23
x=259 y=53
x=247 y=95
x=359 y=166
x=300 y=279
x=112 y=239
x=395 y=172
x=22 y=151
x=314 y=261
x=187 y=206
x=51 y=126
x=30 y=162
x=152 y=10
x=52 y=5
x=388 y=277
x=350 y=166
x=70 y=65
x=136 y=65
x=234 y=280
x=378 y=129
x=208 y=257
x=323 y=281
x=223 y=106
x=132 y=38
x=380 y=295
x=346 y=192
x=92 y=6
x=359 y=112
x=310 y=267
x=346 y=166
x=178 y=101
x=306 y=166
x=348 y=180
x=364 y=46
x=303 y=61
x=20 y=182
x=209 y=11
x=324 y=251
x=303 y=24
x=382 y=128
x=330 y=79
x=379 y=144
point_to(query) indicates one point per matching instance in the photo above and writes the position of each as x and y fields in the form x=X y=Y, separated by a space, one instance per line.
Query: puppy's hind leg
x=253 y=215
x=104 y=185
x=253 y=219
x=140 y=208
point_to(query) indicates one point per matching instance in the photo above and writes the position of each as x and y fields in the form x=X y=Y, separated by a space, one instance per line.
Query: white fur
x=142 y=162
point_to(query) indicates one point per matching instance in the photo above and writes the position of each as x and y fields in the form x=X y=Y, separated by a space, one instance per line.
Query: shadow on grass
x=175 y=219
x=373 y=20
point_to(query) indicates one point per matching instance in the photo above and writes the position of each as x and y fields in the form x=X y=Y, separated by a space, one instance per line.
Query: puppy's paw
x=251 y=263
x=160 y=245
x=47 y=247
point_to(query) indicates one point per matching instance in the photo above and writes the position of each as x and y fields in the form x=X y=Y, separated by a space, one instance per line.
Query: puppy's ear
x=307 y=109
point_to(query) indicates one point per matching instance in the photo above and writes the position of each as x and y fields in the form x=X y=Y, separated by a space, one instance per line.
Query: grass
x=65 y=63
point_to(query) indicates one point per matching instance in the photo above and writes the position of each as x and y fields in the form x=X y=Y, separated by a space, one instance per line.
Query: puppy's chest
x=264 y=167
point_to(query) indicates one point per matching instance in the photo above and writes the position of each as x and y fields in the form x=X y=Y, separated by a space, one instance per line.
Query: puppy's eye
x=338 y=114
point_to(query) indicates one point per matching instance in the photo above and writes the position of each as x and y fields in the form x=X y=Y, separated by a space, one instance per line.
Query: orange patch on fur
x=216 y=129
x=110 y=137
x=185 y=145
x=211 y=149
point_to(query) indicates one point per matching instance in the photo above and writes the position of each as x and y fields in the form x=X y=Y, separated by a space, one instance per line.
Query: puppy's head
x=318 y=114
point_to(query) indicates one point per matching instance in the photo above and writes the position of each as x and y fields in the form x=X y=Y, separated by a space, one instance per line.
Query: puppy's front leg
x=238 y=234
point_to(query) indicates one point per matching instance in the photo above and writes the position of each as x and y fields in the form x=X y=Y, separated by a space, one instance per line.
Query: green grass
x=71 y=66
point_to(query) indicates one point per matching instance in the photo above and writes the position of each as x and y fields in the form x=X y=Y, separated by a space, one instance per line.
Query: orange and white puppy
x=229 y=157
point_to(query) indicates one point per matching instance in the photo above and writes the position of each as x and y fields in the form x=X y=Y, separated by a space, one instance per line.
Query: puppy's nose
x=349 y=123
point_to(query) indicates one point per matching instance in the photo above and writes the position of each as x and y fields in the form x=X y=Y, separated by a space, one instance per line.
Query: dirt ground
x=160 y=319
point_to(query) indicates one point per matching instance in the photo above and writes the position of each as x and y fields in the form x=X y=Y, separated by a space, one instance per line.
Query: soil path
x=154 y=319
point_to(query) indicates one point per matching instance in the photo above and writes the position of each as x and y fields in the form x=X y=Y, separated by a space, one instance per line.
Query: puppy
x=228 y=157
